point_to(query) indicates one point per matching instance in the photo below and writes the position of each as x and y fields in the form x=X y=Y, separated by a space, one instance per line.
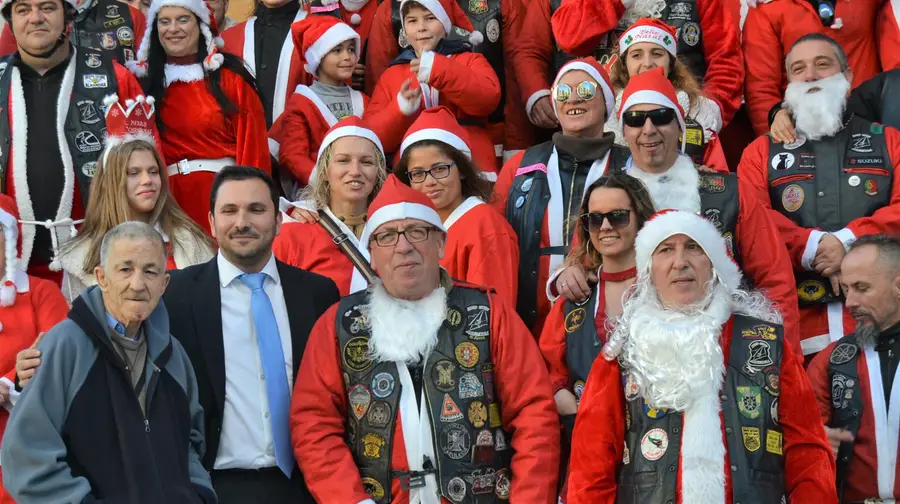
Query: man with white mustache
x=834 y=183
x=652 y=121
x=696 y=398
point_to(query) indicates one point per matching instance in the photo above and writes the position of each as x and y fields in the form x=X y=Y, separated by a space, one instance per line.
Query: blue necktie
x=273 y=366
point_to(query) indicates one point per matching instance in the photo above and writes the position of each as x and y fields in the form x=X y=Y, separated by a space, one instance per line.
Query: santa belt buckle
x=183 y=167
x=412 y=479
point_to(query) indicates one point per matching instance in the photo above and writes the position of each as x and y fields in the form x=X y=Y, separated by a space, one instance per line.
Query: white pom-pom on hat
x=355 y=19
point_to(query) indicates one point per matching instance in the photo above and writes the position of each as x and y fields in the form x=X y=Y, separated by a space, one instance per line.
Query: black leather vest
x=648 y=474
x=828 y=183
x=890 y=100
x=582 y=341
x=85 y=125
x=525 y=209
x=472 y=448
x=106 y=26
x=487 y=18
x=846 y=401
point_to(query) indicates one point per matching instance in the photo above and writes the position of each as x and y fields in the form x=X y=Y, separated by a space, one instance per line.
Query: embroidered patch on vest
x=843 y=353
x=528 y=169
x=749 y=400
x=373 y=488
x=359 y=400
x=478 y=322
x=478 y=414
x=382 y=385
x=654 y=444
x=774 y=442
x=379 y=415
x=442 y=374
x=356 y=354
x=454 y=318
x=574 y=319
x=467 y=354
x=759 y=357
x=454 y=441
x=470 y=387
x=372 y=445
x=632 y=390
x=449 y=410
x=751 y=437
x=792 y=198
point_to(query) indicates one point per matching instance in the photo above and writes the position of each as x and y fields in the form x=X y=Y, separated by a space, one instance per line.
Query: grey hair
x=838 y=50
x=888 y=248
x=130 y=230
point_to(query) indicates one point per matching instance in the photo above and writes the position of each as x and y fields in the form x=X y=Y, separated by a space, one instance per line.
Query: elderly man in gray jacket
x=112 y=415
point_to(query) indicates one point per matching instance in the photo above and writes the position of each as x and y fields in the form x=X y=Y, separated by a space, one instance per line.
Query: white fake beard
x=675 y=356
x=643 y=9
x=819 y=114
x=404 y=331
x=677 y=188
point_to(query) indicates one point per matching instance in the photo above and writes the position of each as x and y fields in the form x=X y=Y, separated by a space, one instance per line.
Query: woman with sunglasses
x=651 y=43
x=540 y=189
x=481 y=248
x=348 y=174
x=614 y=209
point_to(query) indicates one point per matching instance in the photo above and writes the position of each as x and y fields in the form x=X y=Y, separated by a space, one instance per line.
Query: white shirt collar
x=228 y=272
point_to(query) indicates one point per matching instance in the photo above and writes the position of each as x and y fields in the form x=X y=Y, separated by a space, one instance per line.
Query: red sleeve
x=494 y=262
x=468 y=81
x=821 y=385
x=384 y=98
x=139 y=25
x=714 y=157
x=381 y=46
x=234 y=40
x=49 y=304
x=535 y=54
x=8 y=41
x=764 y=65
x=390 y=123
x=292 y=132
x=249 y=123
x=504 y=182
x=809 y=469
x=527 y=406
x=579 y=25
x=724 y=79
x=553 y=347
x=887 y=33
x=598 y=440
x=887 y=218
x=518 y=131
x=318 y=414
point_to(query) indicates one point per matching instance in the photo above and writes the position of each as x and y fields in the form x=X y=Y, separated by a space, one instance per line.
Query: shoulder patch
x=541 y=167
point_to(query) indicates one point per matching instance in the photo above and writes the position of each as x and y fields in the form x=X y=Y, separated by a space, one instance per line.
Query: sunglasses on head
x=638 y=118
x=585 y=90
x=617 y=219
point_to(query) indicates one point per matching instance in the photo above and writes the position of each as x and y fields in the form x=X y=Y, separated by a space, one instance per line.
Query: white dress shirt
x=246 y=441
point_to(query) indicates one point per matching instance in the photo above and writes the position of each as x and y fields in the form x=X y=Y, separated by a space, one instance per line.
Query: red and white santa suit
x=319 y=404
x=696 y=351
x=579 y=26
x=199 y=138
x=704 y=111
x=295 y=137
x=888 y=35
x=310 y=246
x=481 y=248
x=771 y=29
x=29 y=306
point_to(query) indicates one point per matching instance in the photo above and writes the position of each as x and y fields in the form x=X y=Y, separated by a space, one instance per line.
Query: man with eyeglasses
x=422 y=388
x=833 y=183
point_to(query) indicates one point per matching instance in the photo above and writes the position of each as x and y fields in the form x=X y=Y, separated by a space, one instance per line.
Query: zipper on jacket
x=568 y=222
x=791 y=178
x=868 y=171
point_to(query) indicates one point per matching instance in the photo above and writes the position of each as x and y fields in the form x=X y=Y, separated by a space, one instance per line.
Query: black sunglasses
x=617 y=219
x=638 y=118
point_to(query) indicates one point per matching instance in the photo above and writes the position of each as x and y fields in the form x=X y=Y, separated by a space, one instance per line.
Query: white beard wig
x=404 y=331
x=643 y=9
x=677 y=188
x=818 y=115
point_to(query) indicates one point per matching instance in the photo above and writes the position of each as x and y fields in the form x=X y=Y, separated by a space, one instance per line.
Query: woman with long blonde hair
x=130 y=183
x=322 y=233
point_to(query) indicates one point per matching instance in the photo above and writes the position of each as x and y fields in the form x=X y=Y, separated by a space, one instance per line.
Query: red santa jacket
x=770 y=30
x=206 y=133
x=533 y=66
x=70 y=205
x=888 y=35
x=598 y=442
x=39 y=306
x=578 y=26
x=861 y=482
x=319 y=413
x=239 y=40
x=815 y=330
x=464 y=82
x=361 y=20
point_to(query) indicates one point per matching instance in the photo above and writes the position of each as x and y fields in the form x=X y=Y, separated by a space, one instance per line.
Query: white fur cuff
x=426 y=62
x=408 y=107
x=812 y=246
x=846 y=236
x=529 y=105
x=708 y=114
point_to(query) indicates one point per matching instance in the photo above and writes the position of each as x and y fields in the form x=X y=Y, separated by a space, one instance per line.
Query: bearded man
x=834 y=183
x=696 y=399
x=422 y=389
x=853 y=378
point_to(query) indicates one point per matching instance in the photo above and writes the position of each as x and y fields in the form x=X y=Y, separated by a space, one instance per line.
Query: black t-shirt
x=888 y=348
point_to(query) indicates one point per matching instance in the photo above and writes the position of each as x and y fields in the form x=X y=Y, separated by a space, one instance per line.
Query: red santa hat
x=449 y=14
x=9 y=221
x=651 y=87
x=597 y=72
x=398 y=201
x=347 y=127
x=667 y=223
x=317 y=35
x=439 y=124
x=201 y=9
x=649 y=30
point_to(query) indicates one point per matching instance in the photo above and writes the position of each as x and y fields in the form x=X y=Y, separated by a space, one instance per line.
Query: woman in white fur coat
x=131 y=184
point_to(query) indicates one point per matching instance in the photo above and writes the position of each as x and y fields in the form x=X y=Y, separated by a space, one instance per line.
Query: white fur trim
x=436 y=134
x=812 y=246
x=346 y=131
x=490 y=176
x=198 y=7
x=705 y=111
x=702 y=231
x=249 y=49
x=417 y=436
x=652 y=97
x=309 y=94
x=274 y=147
x=184 y=73
x=646 y=33
x=426 y=63
x=815 y=344
x=887 y=424
x=677 y=188
x=703 y=450
x=845 y=236
x=407 y=107
x=463 y=208
x=537 y=95
x=608 y=96
x=284 y=70
x=435 y=7
x=334 y=36
x=399 y=211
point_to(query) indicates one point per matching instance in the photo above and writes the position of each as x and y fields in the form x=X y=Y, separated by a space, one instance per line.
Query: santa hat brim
x=436 y=8
x=334 y=36
x=645 y=33
x=669 y=223
x=438 y=135
x=652 y=97
x=608 y=95
x=400 y=211
x=345 y=131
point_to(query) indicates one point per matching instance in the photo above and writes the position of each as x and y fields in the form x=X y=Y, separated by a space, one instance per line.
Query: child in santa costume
x=329 y=51
x=448 y=72
x=436 y=159
x=29 y=306
x=210 y=113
